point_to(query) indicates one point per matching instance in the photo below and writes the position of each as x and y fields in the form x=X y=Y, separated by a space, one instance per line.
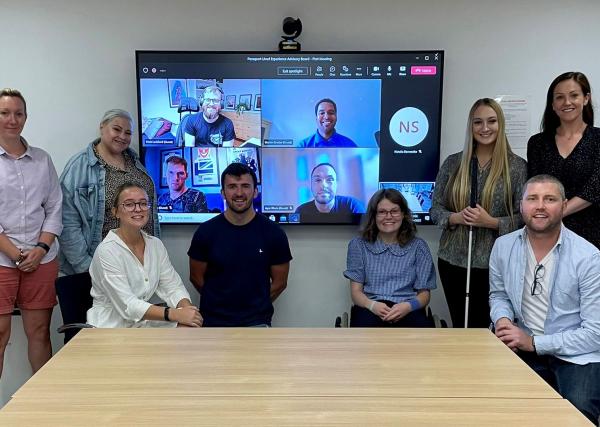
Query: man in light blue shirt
x=545 y=296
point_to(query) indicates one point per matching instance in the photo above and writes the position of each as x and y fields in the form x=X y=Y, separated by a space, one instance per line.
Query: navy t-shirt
x=343 y=211
x=207 y=133
x=237 y=282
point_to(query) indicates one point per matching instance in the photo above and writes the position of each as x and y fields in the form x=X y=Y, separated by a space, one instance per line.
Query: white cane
x=468 y=285
x=474 y=168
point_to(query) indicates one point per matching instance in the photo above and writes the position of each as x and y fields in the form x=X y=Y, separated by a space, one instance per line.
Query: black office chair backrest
x=188 y=104
x=75 y=300
x=179 y=136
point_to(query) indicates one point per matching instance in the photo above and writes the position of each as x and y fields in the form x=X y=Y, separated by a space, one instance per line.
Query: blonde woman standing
x=500 y=178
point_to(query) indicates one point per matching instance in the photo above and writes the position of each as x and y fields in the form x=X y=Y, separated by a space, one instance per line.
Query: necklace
x=485 y=165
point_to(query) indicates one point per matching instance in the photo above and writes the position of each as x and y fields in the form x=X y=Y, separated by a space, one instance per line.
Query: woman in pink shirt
x=30 y=220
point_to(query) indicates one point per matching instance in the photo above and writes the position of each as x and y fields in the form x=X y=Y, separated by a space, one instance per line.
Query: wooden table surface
x=285 y=376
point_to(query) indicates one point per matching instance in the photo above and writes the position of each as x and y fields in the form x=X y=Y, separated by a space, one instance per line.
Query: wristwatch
x=43 y=246
x=20 y=259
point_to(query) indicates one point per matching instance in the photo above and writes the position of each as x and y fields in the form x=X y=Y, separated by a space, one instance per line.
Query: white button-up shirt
x=122 y=286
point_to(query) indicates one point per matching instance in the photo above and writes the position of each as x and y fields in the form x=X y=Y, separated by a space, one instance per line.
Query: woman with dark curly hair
x=390 y=270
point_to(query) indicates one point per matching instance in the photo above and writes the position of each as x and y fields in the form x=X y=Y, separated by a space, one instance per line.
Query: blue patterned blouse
x=389 y=271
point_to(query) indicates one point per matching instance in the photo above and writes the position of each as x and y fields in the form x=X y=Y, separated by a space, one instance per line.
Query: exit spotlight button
x=292 y=71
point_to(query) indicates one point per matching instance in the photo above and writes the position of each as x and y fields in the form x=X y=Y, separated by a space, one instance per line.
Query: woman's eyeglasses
x=382 y=213
x=538 y=275
x=130 y=206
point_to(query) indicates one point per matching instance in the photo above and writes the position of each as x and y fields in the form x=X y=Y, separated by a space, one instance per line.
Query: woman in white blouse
x=130 y=266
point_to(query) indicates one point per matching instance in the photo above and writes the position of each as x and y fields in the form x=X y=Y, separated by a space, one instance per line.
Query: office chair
x=342 y=321
x=188 y=105
x=437 y=320
x=74 y=298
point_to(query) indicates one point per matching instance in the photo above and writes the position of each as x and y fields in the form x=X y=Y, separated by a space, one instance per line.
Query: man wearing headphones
x=326 y=135
x=209 y=128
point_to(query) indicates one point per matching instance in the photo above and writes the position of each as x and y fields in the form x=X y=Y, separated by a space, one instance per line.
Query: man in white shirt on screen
x=545 y=296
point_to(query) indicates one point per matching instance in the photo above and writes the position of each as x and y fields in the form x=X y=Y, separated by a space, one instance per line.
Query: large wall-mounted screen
x=322 y=130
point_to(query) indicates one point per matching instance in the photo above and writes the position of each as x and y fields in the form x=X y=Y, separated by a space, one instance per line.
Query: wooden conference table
x=287 y=376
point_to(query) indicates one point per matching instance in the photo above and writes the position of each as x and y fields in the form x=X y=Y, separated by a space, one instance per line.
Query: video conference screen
x=322 y=130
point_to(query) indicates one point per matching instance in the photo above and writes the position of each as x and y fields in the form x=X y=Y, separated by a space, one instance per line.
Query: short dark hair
x=550 y=120
x=237 y=170
x=14 y=93
x=325 y=100
x=123 y=187
x=543 y=178
x=177 y=160
x=408 y=229
x=322 y=164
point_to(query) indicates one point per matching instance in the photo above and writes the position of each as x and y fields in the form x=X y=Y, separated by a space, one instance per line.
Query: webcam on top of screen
x=292 y=27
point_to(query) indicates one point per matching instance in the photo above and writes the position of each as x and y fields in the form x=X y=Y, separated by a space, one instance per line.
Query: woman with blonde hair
x=130 y=266
x=500 y=178
x=30 y=220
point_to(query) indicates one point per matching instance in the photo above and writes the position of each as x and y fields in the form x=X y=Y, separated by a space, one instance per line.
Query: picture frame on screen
x=230 y=102
x=247 y=156
x=257 y=102
x=246 y=101
x=205 y=166
x=177 y=90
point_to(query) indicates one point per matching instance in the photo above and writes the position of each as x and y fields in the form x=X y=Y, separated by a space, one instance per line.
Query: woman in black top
x=569 y=149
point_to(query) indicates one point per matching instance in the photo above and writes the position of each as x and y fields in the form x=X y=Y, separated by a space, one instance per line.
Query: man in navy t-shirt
x=209 y=128
x=239 y=261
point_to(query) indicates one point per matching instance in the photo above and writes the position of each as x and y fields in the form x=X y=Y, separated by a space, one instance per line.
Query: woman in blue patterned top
x=390 y=270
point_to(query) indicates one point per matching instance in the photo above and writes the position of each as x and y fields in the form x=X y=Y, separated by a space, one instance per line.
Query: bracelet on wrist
x=370 y=307
x=19 y=260
x=43 y=246
x=414 y=304
x=533 y=343
x=166 y=314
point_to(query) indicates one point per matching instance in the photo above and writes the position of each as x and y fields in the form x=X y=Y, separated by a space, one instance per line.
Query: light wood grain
x=288 y=411
x=262 y=376
x=291 y=362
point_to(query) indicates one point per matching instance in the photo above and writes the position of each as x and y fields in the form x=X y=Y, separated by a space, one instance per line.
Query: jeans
x=579 y=384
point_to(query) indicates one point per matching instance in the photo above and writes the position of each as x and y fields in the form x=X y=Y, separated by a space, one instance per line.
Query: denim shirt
x=572 y=325
x=82 y=183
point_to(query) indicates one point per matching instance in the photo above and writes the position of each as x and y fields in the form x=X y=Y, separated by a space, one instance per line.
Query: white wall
x=75 y=59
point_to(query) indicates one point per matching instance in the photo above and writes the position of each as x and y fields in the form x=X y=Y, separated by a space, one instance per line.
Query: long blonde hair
x=458 y=189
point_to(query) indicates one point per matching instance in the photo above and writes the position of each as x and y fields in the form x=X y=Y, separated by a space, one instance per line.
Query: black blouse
x=579 y=172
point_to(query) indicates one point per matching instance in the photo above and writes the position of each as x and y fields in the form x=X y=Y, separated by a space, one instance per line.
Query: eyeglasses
x=382 y=213
x=130 y=206
x=211 y=100
x=538 y=275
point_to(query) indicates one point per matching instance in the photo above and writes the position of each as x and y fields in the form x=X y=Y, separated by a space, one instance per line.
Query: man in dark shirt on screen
x=326 y=135
x=180 y=198
x=327 y=206
x=239 y=260
x=208 y=128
